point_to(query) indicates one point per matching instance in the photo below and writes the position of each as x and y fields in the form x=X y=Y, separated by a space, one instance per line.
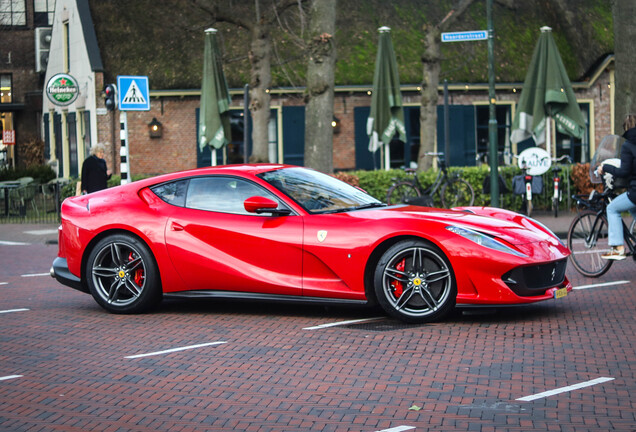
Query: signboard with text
x=8 y=137
x=465 y=36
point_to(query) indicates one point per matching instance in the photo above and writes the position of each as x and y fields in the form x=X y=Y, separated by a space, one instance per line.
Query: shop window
x=5 y=88
x=12 y=12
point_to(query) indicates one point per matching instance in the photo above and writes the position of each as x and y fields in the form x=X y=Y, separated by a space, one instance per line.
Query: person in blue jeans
x=627 y=200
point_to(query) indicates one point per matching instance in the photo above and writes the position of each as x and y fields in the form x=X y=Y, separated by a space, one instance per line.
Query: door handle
x=176 y=227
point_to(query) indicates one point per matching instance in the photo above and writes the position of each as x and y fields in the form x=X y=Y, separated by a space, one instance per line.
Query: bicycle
x=556 y=181
x=588 y=237
x=453 y=190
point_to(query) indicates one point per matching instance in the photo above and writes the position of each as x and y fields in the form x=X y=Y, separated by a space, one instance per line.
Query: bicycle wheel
x=555 y=206
x=457 y=193
x=587 y=249
x=401 y=192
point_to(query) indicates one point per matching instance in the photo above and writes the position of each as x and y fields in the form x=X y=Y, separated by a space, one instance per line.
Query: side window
x=173 y=193
x=222 y=194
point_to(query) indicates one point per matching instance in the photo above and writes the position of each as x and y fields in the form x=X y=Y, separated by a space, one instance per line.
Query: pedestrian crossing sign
x=134 y=93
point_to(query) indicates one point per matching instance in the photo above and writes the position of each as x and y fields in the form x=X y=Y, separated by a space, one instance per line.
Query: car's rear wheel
x=414 y=282
x=122 y=275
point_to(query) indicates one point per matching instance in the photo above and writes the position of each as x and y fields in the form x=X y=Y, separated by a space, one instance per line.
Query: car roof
x=242 y=170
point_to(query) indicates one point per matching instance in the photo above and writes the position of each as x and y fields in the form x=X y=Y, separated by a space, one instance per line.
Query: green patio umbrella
x=387 y=116
x=546 y=94
x=214 y=115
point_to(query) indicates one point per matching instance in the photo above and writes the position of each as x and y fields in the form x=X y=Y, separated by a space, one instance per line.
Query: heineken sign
x=62 y=89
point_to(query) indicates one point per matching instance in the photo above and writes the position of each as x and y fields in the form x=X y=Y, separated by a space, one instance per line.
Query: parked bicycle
x=588 y=235
x=453 y=190
x=557 y=196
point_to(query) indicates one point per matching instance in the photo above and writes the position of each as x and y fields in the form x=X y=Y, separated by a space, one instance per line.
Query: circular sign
x=62 y=89
x=535 y=159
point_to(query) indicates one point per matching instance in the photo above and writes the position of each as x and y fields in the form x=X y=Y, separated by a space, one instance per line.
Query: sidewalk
x=29 y=233
x=559 y=225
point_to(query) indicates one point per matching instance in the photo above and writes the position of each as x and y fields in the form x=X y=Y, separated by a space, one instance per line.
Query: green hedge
x=40 y=174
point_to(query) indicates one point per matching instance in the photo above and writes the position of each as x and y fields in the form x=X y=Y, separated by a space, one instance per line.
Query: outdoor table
x=6 y=186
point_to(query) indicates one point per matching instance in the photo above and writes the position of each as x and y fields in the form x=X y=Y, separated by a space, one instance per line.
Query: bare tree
x=258 y=21
x=431 y=59
x=320 y=85
x=624 y=34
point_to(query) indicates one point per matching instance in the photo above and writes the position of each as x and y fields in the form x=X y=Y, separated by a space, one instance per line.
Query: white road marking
x=12 y=243
x=341 y=323
x=36 y=275
x=13 y=310
x=397 y=429
x=601 y=285
x=41 y=232
x=4 y=283
x=565 y=389
x=8 y=377
x=174 y=350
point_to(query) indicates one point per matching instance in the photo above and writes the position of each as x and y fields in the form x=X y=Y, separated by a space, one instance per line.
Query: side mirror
x=259 y=205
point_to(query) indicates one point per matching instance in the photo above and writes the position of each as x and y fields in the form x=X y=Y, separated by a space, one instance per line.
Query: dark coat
x=628 y=164
x=94 y=174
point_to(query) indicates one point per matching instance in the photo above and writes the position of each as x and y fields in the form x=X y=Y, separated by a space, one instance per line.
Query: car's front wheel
x=122 y=275
x=414 y=282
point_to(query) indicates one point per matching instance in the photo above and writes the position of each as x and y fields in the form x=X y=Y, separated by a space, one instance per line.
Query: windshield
x=317 y=192
x=608 y=149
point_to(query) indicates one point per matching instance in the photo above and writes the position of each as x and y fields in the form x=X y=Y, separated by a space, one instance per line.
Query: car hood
x=512 y=227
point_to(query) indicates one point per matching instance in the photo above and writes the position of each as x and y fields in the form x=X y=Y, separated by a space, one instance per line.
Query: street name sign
x=465 y=36
x=134 y=93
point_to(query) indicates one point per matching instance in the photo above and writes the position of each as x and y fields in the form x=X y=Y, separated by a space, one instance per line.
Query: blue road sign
x=465 y=36
x=134 y=93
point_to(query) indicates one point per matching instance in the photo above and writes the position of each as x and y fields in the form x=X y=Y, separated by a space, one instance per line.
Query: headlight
x=483 y=240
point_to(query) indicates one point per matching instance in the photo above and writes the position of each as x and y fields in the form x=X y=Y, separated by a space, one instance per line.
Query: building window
x=67 y=48
x=44 y=11
x=5 y=88
x=13 y=12
x=504 y=146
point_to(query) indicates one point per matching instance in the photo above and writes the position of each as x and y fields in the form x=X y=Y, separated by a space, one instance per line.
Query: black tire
x=457 y=193
x=401 y=192
x=122 y=275
x=555 y=206
x=586 y=255
x=414 y=282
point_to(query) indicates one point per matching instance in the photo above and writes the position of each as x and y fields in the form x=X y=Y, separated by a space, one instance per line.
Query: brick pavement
x=464 y=373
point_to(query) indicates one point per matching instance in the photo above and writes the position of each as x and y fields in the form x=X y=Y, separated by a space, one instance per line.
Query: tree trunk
x=625 y=61
x=320 y=86
x=430 y=81
x=428 y=110
x=260 y=80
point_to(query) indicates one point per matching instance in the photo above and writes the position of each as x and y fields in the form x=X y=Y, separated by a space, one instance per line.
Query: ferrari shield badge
x=322 y=235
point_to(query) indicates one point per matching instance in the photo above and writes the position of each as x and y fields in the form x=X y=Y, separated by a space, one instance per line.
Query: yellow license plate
x=560 y=293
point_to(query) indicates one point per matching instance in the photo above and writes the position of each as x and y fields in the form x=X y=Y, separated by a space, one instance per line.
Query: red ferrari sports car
x=285 y=233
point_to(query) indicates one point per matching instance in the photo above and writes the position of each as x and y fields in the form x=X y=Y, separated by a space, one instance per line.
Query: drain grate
x=383 y=326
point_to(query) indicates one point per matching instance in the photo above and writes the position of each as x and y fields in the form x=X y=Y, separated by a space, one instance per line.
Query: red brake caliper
x=398 y=287
x=139 y=273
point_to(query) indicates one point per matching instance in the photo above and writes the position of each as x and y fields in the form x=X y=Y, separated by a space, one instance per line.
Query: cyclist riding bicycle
x=627 y=200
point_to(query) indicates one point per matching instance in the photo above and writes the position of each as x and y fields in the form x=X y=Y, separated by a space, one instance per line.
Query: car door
x=215 y=244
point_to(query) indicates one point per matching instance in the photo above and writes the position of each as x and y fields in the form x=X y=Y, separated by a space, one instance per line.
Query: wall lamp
x=335 y=124
x=155 y=128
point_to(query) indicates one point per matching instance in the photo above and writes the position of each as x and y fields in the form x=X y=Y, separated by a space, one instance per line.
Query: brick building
x=25 y=29
x=69 y=129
